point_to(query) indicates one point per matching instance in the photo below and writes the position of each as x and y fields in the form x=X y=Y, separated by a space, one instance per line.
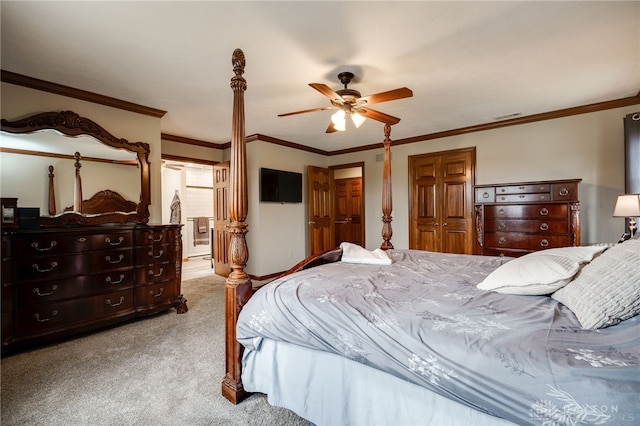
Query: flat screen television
x=280 y=186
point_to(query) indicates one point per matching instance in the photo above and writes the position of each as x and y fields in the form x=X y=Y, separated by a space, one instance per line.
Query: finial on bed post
x=238 y=286
x=387 y=204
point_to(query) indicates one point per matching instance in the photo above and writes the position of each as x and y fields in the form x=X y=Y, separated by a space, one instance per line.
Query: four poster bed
x=413 y=337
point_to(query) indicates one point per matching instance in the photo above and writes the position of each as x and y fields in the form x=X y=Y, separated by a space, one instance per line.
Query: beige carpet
x=163 y=370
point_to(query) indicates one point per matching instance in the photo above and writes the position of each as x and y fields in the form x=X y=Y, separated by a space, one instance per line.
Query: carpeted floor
x=164 y=370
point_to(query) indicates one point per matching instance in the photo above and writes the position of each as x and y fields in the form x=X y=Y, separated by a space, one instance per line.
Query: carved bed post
x=52 y=193
x=387 y=204
x=77 y=187
x=238 y=286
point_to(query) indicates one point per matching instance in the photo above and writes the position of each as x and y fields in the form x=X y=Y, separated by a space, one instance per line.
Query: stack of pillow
x=600 y=284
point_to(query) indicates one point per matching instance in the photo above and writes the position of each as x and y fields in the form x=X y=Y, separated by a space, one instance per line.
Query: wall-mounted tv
x=280 y=186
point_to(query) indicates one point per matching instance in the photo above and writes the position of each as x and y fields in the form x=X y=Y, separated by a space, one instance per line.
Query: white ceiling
x=466 y=62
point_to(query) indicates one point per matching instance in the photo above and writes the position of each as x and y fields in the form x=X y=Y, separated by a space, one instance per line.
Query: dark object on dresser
x=58 y=282
x=513 y=219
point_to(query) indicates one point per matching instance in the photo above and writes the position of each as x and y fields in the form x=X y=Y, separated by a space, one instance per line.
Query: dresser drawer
x=54 y=244
x=153 y=236
x=48 y=267
x=32 y=293
x=149 y=254
x=51 y=244
x=525 y=241
x=537 y=226
x=112 y=259
x=154 y=273
x=156 y=293
x=522 y=189
x=516 y=211
x=38 y=319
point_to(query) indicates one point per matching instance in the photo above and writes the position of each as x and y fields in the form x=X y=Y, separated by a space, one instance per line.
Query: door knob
x=311 y=222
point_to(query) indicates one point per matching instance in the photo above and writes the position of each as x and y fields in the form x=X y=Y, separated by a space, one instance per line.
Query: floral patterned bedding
x=522 y=358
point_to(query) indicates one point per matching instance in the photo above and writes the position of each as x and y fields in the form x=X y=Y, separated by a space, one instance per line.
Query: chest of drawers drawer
x=525 y=241
x=526 y=211
x=543 y=227
x=43 y=318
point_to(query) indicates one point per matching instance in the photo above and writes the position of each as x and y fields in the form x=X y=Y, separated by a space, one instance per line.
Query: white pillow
x=606 y=291
x=540 y=272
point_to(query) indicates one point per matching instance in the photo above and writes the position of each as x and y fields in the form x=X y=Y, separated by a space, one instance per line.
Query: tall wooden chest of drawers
x=62 y=281
x=513 y=219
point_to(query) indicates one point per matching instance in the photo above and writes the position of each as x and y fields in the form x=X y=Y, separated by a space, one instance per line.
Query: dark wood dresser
x=57 y=282
x=513 y=219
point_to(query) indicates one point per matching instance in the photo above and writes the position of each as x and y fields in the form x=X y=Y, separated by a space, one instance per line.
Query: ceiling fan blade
x=304 y=111
x=378 y=116
x=391 y=95
x=331 y=129
x=328 y=92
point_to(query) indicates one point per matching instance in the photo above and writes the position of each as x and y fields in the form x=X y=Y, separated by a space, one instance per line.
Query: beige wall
x=18 y=102
x=588 y=146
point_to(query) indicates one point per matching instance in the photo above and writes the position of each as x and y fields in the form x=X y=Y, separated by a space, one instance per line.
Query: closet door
x=320 y=191
x=441 y=203
x=348 y=214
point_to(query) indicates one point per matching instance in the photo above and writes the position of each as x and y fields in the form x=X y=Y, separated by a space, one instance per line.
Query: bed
x=411 y=337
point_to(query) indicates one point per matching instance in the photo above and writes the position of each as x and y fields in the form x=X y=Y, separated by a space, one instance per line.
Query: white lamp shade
x=357 y=119
x=628 y=205
x=339 y=121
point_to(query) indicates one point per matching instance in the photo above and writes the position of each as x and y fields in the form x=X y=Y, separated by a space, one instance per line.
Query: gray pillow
x=607 y=290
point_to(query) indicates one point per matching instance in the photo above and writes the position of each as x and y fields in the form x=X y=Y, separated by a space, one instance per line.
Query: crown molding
x=59 y=89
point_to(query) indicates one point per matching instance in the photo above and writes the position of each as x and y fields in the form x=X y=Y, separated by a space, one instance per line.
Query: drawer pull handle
x=110 y=303
x=563 y=192
x=485 y=195
x=37 y=268
x=544 y=243
x=156 y=239
x=52 y=244
x=108 y=259
x=108 y=279
x=53 y=290
x=544 y=211
x=521 y=196
x=160 y=253
x=157 y=294
x=502 y=240
x=544 y=227
x=501 y=212
x=108 y=241
x=37 y=316
x=156 y=275
x=501 y=226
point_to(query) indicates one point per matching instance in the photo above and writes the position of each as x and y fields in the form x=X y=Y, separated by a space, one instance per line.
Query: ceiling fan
x=350 y=103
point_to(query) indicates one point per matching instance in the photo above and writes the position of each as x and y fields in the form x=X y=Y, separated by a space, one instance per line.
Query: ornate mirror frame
x=71 y=124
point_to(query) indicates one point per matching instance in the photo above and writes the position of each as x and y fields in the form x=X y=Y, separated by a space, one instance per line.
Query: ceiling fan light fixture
x=358 y=119
x=339 y=120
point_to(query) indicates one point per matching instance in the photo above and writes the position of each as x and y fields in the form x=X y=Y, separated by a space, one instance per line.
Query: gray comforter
x=522 y=358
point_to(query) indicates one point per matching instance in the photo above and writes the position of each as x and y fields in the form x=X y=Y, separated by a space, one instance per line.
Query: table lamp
x=628 y=205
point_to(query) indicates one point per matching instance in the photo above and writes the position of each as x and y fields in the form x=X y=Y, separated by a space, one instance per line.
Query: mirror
x=82 y=158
